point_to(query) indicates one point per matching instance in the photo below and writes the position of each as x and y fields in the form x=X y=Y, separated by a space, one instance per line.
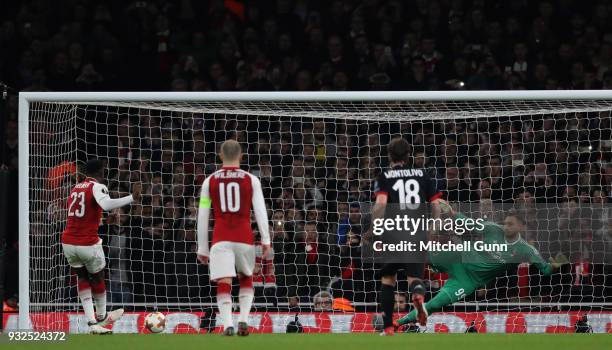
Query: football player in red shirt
x=83 y=247
x=232 y=193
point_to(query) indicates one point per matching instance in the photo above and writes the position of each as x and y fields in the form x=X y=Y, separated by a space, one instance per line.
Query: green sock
x=410 y=317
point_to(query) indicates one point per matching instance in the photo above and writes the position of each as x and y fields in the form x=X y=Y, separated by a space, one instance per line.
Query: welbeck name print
x=337 y=322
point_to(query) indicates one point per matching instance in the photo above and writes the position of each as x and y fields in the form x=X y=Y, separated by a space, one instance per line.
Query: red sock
x=246 y=282
x=83 y=284
x=98 y=287
x=224 y=288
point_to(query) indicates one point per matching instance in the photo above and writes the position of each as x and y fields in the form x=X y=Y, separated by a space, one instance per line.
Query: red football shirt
x=231 y=193
x=84 y=215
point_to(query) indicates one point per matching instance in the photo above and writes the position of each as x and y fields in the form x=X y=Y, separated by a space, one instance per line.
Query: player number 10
x=229 y=197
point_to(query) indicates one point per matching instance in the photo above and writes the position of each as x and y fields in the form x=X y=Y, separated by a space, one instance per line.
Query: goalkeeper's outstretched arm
x=547 y=268
x=529 y=253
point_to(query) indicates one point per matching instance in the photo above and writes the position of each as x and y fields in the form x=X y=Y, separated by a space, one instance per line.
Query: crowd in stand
x=306 y=45
x=317 y=178
x=316 y=174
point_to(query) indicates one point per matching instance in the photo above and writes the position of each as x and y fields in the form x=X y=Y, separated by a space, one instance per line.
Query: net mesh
x=316 y=162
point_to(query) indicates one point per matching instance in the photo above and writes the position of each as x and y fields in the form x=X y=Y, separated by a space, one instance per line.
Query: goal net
x=317 y=160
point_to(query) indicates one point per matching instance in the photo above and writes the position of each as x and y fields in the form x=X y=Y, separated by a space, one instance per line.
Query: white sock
x=224 y=302
x=100 y=301
x=88 y=307
x=245 y=298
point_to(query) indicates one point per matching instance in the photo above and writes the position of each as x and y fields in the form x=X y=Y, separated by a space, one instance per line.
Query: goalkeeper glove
x=445 y=208
x=559 y=260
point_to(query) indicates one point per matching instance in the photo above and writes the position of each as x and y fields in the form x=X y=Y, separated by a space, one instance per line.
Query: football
x=155 y=322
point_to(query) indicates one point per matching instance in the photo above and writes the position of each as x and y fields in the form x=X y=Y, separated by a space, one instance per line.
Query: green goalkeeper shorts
x=460 y=282
x=457 y=288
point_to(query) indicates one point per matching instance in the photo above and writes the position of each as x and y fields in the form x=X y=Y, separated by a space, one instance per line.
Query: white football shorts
x=90 y=256
x=227 y=258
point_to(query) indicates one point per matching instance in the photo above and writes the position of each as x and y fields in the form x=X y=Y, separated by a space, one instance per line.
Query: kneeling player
x=232 y=192
x=83 y=248
x=480 y=268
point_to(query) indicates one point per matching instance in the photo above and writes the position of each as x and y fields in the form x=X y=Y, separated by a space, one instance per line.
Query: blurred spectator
x=400 y=302
x=351 y=222
x=313 y=260
x=322 y=301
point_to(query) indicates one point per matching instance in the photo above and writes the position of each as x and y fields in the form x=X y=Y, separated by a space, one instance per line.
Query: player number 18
x=408 y=191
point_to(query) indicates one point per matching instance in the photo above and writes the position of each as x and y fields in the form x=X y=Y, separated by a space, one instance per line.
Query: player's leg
x=443 y=298
x=84 y=291
x=388 y=280
x=95 y=263
x=98 y=291
x=98 y=288
x=245 y=263
x=74 y=259
x=455 y=289
x=245 y=300
x=416 y=288
x=224 y=303
x=222 y=270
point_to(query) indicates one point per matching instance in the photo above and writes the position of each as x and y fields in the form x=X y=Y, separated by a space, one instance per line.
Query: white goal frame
x=25 y=98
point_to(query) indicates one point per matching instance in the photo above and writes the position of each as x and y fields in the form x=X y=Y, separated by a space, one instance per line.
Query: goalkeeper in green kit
x=471 y=270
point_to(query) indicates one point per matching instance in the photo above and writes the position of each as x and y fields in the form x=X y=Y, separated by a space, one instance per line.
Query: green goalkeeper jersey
x=484 y=266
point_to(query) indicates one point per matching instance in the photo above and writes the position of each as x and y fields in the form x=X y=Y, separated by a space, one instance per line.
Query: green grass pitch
x=329 y=341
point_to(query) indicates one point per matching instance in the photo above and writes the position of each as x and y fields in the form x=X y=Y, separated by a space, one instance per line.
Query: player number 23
x=79 y=211
x=230 y=197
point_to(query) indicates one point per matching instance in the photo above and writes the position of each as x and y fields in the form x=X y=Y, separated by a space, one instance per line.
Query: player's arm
x=378 y=210
x=532 y=256
x=203 y=221
x=100 y=193
x=261 y=215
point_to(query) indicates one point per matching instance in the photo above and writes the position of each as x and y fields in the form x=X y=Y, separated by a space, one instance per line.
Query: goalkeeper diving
x=470 y=270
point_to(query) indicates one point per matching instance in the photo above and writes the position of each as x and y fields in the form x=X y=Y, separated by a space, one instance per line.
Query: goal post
x=24 y=212
x=78 y=120
x=317 y=96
